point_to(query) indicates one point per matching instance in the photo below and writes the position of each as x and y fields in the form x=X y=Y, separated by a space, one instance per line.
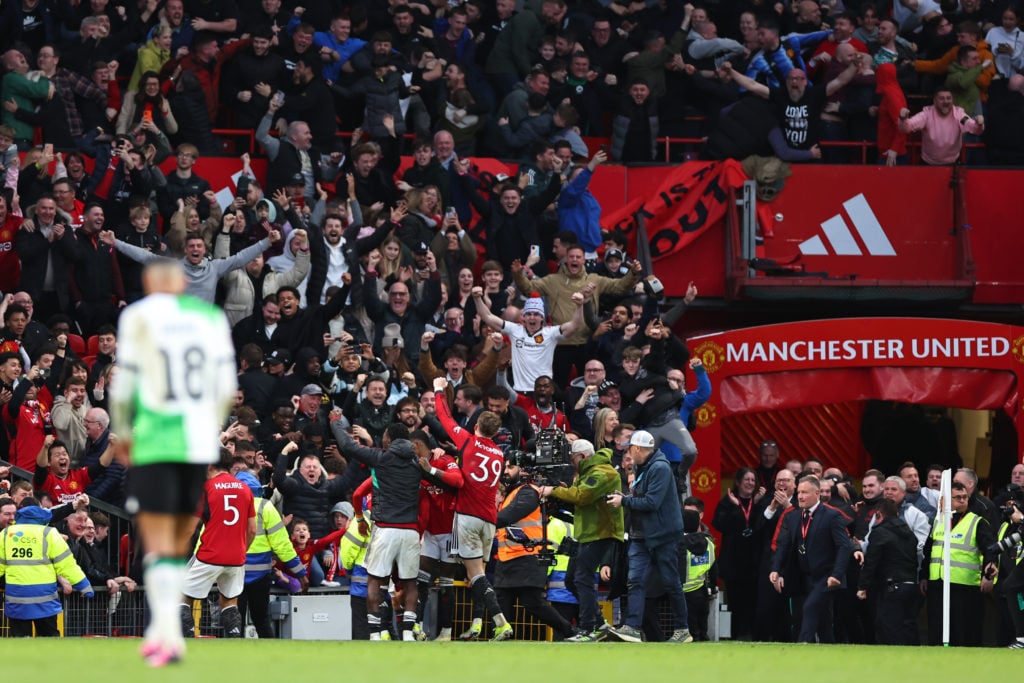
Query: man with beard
x=771 y=617
x=540 y=408
x=942 y=125
x=799 y=106
x=68 y=416
x=201 y=273
x=259 y=327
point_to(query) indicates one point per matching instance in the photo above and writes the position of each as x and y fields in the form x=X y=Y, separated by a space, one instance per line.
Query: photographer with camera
x=598 y=526
x=519 y=572
x=1010 y=585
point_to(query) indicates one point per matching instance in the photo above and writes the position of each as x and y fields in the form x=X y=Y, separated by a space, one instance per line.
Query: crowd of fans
x=350 y=285
x=499 y=77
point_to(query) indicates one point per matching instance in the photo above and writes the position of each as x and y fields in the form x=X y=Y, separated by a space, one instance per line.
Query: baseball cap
x=279 y=356
x=312 y=390
x=582 y=446
x=613 y=253
x=606 y=386
x=421 y=248
x=344 y=508
x=296 y=179
x=642 y=438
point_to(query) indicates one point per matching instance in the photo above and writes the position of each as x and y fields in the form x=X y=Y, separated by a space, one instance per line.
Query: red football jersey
x=540 y=420
x=65 y=490
x=483 y=463
x=437 y=504
x=226 y=509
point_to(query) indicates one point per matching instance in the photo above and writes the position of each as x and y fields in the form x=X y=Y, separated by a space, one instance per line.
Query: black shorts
x=165 y=488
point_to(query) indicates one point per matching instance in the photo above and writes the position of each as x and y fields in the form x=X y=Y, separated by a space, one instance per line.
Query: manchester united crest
x=538 y=338
x=1018 y=349
x=711 y=355
x=706 y=415
x=704 y=479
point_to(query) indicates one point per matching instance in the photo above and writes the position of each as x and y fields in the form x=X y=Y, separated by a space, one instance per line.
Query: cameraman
x=1011 y=570
x=598 y=526
x=519 y=572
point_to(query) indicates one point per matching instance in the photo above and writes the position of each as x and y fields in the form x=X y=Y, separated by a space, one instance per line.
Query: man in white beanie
x=533 y=342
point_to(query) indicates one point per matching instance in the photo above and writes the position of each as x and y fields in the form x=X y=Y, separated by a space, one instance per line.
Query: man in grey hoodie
x=201 y=273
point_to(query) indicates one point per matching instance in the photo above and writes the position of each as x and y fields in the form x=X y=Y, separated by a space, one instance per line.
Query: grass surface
x=110 y=661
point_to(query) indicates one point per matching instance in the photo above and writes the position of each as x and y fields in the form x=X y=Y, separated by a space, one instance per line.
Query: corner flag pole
x=946 y=517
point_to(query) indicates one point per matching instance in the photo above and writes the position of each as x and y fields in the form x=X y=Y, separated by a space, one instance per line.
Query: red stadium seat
x=77 y=344
x=93 y=345
x=89 y=360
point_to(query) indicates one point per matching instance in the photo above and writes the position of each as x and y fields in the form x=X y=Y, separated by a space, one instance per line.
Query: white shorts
x=390 y=546
x=474 y=537
x=436 y=547
x=201 y=577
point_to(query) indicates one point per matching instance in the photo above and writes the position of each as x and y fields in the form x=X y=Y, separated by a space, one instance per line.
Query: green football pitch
x=104 y=661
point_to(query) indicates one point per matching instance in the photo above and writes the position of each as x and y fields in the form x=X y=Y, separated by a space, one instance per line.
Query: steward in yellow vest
x=32 y=556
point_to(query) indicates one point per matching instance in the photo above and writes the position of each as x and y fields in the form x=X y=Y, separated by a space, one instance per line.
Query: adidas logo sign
x=842 y=241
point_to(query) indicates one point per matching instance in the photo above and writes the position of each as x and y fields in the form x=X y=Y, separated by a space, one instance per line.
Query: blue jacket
x=579 y=212
x=654 y=502
x=691 y=401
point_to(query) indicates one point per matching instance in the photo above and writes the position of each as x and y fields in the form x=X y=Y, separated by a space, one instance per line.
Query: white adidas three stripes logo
x=842 y=241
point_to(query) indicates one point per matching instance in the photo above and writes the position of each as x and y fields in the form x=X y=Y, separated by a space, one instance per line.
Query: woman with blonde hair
x=152 y=56
x=605 y=422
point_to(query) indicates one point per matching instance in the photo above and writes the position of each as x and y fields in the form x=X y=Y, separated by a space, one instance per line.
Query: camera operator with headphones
x=598 y=526
x=520 y=571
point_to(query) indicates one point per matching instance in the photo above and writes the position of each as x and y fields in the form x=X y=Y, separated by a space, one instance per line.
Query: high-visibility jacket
x=964 y=555
x=1015 y=555
x=532 y=525
x=697 y=568
x=557 y=592
x=353 y=558
x=271 y=539
x=32 y=556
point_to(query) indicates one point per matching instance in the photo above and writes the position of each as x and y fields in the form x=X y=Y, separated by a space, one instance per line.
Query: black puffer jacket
x=396 y=478
x=311 y=502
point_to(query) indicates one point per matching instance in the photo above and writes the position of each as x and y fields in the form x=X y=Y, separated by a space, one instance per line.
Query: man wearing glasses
x=971 y=570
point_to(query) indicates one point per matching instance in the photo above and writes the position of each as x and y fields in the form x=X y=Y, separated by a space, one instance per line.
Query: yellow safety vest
x=964 y=555
x=31 y=557
x=697 y=568
x=531 y=525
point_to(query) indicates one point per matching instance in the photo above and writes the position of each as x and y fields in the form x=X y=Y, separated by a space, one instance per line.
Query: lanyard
x=746 y=511
x=805 y=525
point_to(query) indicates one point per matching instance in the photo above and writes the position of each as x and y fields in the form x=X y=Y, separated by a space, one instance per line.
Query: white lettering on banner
x=960 y=347
x=804 y=351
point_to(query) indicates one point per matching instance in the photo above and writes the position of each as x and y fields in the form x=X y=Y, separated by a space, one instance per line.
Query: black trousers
x=535 y=602
x=45 y=628
x=255 y=598
x=698 y=606
x=964 y=614
x=360 y=629
x=896 y=614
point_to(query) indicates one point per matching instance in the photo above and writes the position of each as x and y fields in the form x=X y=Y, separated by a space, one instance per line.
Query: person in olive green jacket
x=598 y=526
